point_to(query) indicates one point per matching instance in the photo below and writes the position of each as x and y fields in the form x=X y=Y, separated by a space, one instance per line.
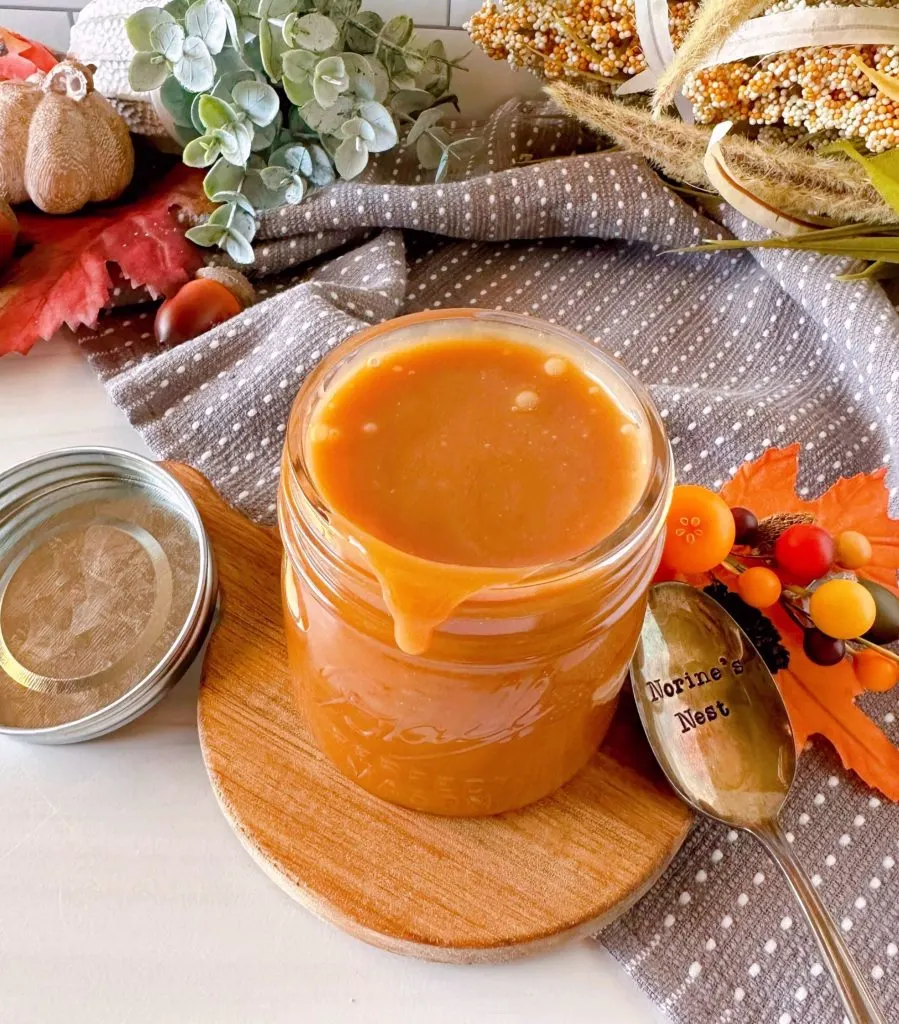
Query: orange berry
x=874 y=671
x=759 y=587
x=699 y=530
x=853 y=550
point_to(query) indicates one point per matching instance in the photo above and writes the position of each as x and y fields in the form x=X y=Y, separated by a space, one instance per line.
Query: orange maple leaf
x=821 y=701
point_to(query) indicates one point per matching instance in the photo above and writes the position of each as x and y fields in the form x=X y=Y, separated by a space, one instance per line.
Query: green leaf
x=236 y=143
x=258 y=100
x=196 y=70
x=429 y=149
x=425 y=120
x=215 y=113
x=177 y=9
x=357 y=127
x=238 y=248
x=314 y=32
x=351 y=157
x=882 y=169
x=147 y=72
x=322 y=172
x=384 y=134
x=223 y=177
x=236 y=199
x=407 y=102
x=275 y=177
x=295 y=158
x=140 y=24
x=415 y=61
x=398 y=31
x=206 y=20
x=329 y=80
x=177 y=101
x=298 y=65
x=195 y=114
x=201 y=152
x=462 y=149
x=295 y=191
x=225 y=83
x=362 y=31
x=230 y=62
x=167 y=38
x=326 y=120
x=234 y=220
x=206 y=234
x=298 y=92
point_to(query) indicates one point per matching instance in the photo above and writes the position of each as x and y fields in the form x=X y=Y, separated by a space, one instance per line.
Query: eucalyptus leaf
x=258 y=100
x=215 y=113
x=140 y=24
x=206 y=234
x=329 y=80
x=429 y=150
x=296 y=158
x=167 y=38
x=177 y=101
x=225 y=83
x=147 y=71
x=425 y=120
x=407 y=102
x=177 y=9
x=223 y=177
x=351 y=157
x=195 y=113
x=263 y=137
x=235 y=142
x=415 y=61
x=314 y=32
x=298 y=92
x=238 y=248
x=383 y=134
x=234 y=220
x=402 y=80
x=362 y=32
x=195 y=70
x=295 y=191
x=236 y=198
x=201 y=152
x=322 y=172
x=276 y=177
x=327 y=120
x=398 y=31
x=206 y=20
x=256 y=192
x=357 y=127
x=298 y=65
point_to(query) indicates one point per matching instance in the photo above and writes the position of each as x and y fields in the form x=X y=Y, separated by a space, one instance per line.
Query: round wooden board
x=455 y=890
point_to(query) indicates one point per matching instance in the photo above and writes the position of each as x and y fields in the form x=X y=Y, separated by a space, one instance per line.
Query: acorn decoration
x=63 y=144
x=215 y=295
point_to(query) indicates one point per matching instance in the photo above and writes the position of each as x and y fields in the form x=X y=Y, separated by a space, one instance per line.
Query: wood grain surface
x=455 y=890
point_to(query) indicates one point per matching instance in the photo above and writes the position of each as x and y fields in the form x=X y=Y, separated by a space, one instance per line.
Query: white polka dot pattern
x=741 y=351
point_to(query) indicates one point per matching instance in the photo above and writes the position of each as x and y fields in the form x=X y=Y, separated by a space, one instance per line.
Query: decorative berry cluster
x=789 y=560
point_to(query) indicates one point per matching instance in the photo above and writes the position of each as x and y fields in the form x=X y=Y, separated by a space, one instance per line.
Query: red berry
x=746 y=525
x=804 y=551
x=821 y=648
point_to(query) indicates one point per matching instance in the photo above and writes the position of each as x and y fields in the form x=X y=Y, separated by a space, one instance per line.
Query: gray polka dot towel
x=741 y=351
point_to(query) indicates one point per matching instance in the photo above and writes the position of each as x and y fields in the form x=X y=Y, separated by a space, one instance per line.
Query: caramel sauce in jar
x=472 y=506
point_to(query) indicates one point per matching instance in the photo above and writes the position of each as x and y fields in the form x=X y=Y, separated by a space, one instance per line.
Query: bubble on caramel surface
x=527 y=401
x=318 y=433
x=369 y=428
x=555 y=366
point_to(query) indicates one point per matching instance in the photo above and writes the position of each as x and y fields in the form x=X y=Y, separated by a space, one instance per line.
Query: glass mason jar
x=518 y=686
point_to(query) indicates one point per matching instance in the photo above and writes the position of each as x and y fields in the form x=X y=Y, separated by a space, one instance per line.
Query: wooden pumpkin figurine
x=63 y=144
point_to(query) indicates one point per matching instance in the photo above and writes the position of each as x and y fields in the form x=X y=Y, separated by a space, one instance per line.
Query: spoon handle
x=853 y=990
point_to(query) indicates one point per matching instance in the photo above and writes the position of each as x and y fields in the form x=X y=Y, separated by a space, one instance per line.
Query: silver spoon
x=719 y=729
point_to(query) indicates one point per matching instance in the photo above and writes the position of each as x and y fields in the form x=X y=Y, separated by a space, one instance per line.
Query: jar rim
x=646 y=517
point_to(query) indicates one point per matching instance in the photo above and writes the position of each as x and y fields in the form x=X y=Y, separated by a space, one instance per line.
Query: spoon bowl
x=718 y=726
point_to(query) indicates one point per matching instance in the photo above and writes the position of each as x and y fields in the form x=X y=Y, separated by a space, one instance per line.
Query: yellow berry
x=842 y=609
x=853 y=550
x=759 y=587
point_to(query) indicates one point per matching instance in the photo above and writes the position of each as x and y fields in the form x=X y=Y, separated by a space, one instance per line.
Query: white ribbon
x=658 y=50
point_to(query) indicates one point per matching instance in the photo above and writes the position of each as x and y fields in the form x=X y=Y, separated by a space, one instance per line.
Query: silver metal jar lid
x=107 y=592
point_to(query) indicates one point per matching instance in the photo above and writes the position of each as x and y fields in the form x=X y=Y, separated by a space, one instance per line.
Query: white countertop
x=124 y=896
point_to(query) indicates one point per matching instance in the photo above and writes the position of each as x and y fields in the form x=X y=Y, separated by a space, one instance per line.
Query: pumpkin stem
x=71 y=78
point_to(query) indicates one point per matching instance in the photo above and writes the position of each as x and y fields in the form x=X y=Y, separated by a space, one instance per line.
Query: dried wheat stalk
x=798 y=181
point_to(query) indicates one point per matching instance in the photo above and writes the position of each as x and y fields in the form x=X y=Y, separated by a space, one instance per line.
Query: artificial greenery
x=278 y=96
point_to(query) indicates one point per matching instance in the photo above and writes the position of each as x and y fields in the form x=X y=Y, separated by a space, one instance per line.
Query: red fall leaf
x=21 y=57
x=821 y=701
x=62 y=276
